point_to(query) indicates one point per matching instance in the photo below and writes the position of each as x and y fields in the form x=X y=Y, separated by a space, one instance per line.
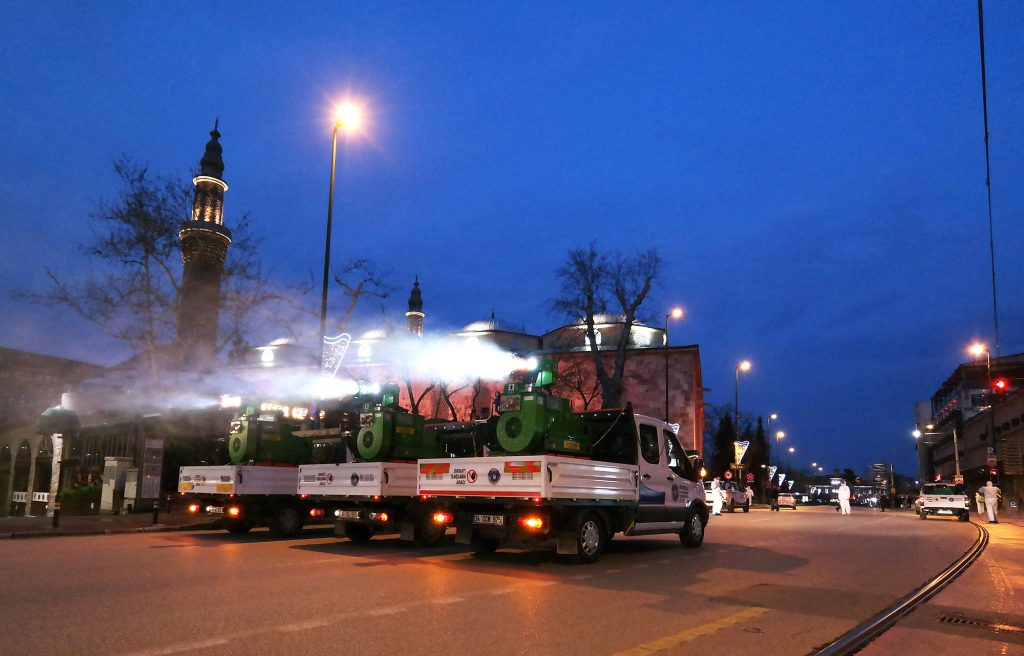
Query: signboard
x=958 y=479
x=750 y=477
x=782 y=478
x=991 y=461
x=728 y=475
x=740 y=449
x=771 y=472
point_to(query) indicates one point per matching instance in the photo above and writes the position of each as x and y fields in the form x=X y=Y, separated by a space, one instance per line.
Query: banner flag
x=771 y=472
x=740 y=449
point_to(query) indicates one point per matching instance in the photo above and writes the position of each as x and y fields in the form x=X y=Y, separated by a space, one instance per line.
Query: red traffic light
x=1000 y=385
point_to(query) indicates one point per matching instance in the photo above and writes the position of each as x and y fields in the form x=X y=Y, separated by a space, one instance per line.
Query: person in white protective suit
x=844 y=498
x=716 y=496
x=750 y=495
x=979 y=498
x=992 y=495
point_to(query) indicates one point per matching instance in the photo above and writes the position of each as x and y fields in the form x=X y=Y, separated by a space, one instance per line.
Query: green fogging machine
x=266 y=438
x=532 y=420
x=388 y=431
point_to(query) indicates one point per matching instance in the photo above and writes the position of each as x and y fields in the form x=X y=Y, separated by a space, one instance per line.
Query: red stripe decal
x=532 y=467
x=435 y=468
x=481 y=493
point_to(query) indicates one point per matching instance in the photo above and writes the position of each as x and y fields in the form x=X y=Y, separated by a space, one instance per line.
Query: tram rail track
x=859 y=636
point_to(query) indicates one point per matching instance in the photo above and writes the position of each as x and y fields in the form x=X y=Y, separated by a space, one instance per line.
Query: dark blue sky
x=813 y=172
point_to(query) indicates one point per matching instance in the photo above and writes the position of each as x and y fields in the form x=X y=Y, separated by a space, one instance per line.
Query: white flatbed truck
x=245 y=496
x=638 y=482
x=367 y=498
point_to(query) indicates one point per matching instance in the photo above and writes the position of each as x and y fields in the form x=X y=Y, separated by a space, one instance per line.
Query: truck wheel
x=965 y=517
x=922 y=515
x=237 y=526
x=693 y=534
x=358 y=532
x=590 y=537
x=428 y=533
x=732 y=506
x=483 y=546
x=746 y=507
x=287 y=522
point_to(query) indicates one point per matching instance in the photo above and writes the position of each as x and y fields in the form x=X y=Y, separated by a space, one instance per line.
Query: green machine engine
x=266 y=439
x=532 y=420
x=389 y=432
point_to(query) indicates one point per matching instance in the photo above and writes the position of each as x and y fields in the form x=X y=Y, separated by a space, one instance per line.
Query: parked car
x=733 y=496
x=787 y=500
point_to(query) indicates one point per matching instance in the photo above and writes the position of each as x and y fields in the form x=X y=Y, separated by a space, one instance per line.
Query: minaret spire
x=414 y=317
x=204 y=247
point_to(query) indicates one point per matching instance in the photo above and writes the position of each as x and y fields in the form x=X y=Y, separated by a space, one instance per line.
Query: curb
x=157 y=528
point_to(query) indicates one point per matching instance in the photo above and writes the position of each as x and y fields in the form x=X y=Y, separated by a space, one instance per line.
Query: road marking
x=447 y=600
x=182 y=646
x=582 y=577
x=376 y=612
x=303 y=626
x=676 y=639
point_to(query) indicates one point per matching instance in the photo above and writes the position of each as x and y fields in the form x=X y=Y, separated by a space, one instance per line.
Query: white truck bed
x=528 y=476
x=359 y=479
x=237 y=479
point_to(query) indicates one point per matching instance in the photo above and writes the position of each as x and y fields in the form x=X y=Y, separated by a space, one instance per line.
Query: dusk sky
x=812 y=172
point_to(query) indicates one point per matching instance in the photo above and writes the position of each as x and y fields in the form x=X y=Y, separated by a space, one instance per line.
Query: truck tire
x=965 y=517
x=428 y=533
x=922 y=515
x=286 y=522
x=693 y=535
x=358 y=532
x=483 y=546
x=732 y=506
x=237 y=526
x=746 y=506
x=590 y=537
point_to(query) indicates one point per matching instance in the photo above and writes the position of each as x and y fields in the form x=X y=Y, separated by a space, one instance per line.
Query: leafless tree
x=360 y=278
x=132 y=295
x=591 y=284
x=577 y=379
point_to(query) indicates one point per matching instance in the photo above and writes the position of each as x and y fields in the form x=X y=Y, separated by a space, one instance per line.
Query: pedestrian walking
x=716 y=496
x=883 y=501
x=844 y=498
x=750 y=495
x=979 y=499
x=992 y=496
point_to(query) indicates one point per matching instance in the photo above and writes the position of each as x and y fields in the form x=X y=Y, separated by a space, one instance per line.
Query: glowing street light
x=347 y=118
x=675 y=313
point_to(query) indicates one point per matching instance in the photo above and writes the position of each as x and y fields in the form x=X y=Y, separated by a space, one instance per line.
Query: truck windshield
x=940 y=489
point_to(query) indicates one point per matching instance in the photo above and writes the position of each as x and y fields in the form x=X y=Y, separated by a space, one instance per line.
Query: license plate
x=348 y=514
x=944 y=512
x=214 y=510
x=489 y=520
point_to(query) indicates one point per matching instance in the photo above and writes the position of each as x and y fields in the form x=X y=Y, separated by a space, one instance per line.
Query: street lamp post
x=347 y=118
x=958 y=477
x=742 y=366
x=676 y=313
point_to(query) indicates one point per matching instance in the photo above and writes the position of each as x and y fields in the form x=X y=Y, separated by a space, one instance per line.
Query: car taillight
x=193 y=508
x=443 y=518
x=234 y=511
x=532 y=522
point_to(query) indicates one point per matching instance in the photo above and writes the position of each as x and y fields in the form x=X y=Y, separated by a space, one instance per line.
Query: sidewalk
x=38 y=527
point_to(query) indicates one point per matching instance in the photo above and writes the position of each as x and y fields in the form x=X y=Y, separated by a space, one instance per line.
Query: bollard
x=156 y=510
x=56 y=513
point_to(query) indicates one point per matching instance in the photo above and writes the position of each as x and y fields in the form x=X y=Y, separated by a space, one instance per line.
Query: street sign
x=750 y=477
x=991 y=461
x=958 y=479
x=728 y=475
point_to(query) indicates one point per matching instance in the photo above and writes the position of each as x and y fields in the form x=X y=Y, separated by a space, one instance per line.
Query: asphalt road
x=763 y=583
